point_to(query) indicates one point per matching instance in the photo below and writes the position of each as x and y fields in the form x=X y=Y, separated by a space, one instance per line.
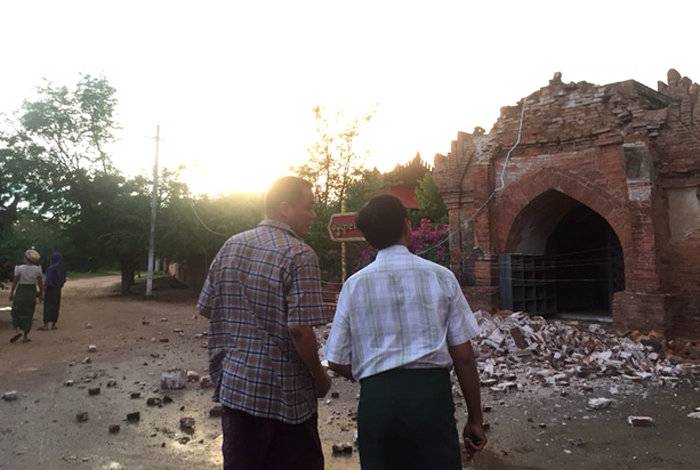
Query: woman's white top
x=27 y=274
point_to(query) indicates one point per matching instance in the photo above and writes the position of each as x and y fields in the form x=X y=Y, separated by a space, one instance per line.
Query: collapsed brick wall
x=629 y=153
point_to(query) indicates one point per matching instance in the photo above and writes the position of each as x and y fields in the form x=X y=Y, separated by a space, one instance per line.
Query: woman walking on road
x=55 y=278
x=23 y=294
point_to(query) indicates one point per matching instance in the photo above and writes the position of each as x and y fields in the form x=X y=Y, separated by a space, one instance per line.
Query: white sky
x=232 y=84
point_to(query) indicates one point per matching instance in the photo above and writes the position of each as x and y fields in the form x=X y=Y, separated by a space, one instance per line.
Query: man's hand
x=322 y=385
x=304 y=341
x=474 y=438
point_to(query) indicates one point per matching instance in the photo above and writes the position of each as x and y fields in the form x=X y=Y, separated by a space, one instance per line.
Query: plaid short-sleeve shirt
x=261 y=282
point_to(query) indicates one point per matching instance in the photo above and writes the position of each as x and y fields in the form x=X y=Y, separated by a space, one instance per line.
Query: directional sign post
x=342 y=228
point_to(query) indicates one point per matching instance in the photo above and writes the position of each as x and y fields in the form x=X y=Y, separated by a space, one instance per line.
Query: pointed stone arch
x=518 y=195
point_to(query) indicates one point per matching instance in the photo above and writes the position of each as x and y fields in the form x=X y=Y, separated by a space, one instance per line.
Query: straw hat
x=33 y=256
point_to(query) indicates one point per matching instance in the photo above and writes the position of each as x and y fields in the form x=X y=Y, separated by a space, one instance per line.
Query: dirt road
x=533 y=428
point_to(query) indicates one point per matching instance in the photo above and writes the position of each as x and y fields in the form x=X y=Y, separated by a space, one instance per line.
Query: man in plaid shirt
x=262 y=297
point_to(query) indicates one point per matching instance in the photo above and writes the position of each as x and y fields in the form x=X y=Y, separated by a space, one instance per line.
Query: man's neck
x=276 y=218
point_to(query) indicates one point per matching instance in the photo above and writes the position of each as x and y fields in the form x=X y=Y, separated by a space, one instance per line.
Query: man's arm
x=344 y=370
x=339 y=345
x=40 y=286
x=468 y=376
x=305 y=310
x=14 y=287
x=304 y=340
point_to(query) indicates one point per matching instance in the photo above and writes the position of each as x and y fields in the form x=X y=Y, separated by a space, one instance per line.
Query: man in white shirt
x=401 y=324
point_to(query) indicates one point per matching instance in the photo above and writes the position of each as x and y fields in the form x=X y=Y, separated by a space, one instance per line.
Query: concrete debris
x=187 y=425
x=68 y=383
x=599 y=403
x=167 y=399
x=94 y=391
x=154 y=401
x=694 y=415
x=114 y=428
x=135 y=395
x=87 y=360
x=216 y=411
x=564 y=353
x=640 y=421
x=173 y=379
x=88 y=326
x=192 y=376
x=164 y=319
x=10 y=396
x=205 y=382
x=81 y=417
x=344 y=448
x=111 y=383
x=92 y=348
x=134 y=417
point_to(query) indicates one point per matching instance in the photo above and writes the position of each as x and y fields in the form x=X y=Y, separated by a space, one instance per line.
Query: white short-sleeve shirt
x=27 y=274
x=401 y=311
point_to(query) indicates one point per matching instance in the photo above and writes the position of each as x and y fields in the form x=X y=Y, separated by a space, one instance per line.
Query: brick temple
x=597 y=212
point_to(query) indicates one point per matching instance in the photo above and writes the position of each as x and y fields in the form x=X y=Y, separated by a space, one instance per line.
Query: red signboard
x=342 y=228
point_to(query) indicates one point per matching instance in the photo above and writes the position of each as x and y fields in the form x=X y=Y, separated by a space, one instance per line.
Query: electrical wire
x=495 y=190
x=194 y=209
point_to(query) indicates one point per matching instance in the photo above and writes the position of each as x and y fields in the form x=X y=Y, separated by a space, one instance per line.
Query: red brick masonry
x=629 y=153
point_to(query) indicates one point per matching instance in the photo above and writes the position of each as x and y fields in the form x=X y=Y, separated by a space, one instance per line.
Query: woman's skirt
x=52 y=304
x=23 y=305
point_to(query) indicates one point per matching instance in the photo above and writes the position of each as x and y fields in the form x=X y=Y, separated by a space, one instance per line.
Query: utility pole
x=343 y=249
x=154 y=206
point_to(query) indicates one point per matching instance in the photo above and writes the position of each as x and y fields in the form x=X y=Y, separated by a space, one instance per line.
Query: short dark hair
x=286 y=189
x=382 y=221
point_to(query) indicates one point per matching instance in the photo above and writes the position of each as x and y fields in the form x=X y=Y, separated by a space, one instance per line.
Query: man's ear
x=283 y=209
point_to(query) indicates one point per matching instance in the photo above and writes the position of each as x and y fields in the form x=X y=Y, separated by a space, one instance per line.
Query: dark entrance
x=587 y=262
x=564 y=259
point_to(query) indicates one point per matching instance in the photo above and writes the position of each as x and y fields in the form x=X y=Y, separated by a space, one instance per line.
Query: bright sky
x=232 y=84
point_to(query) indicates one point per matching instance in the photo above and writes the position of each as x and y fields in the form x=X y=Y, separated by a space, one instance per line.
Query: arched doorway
x=562 y=258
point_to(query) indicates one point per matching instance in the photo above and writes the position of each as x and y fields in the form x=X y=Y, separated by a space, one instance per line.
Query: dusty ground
x=534 y=428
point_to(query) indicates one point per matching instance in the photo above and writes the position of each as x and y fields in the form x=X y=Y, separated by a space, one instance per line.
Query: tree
x=408 y=175
x=333 y=163
x=431 y=205
x=69 y=179
x=338 y=174
x=64 y=132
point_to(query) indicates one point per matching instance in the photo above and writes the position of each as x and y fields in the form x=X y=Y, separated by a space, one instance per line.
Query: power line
x=206 y=227
x=497 y=189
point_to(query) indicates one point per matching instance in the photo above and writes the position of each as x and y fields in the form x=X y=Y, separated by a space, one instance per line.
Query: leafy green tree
x=340 y=178
x=64 y=132
x=29 y=230
x=334 y=163
x=431 y=205
x=408 y=175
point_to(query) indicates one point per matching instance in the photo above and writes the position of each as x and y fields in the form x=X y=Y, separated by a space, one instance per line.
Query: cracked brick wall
x=624 y=150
